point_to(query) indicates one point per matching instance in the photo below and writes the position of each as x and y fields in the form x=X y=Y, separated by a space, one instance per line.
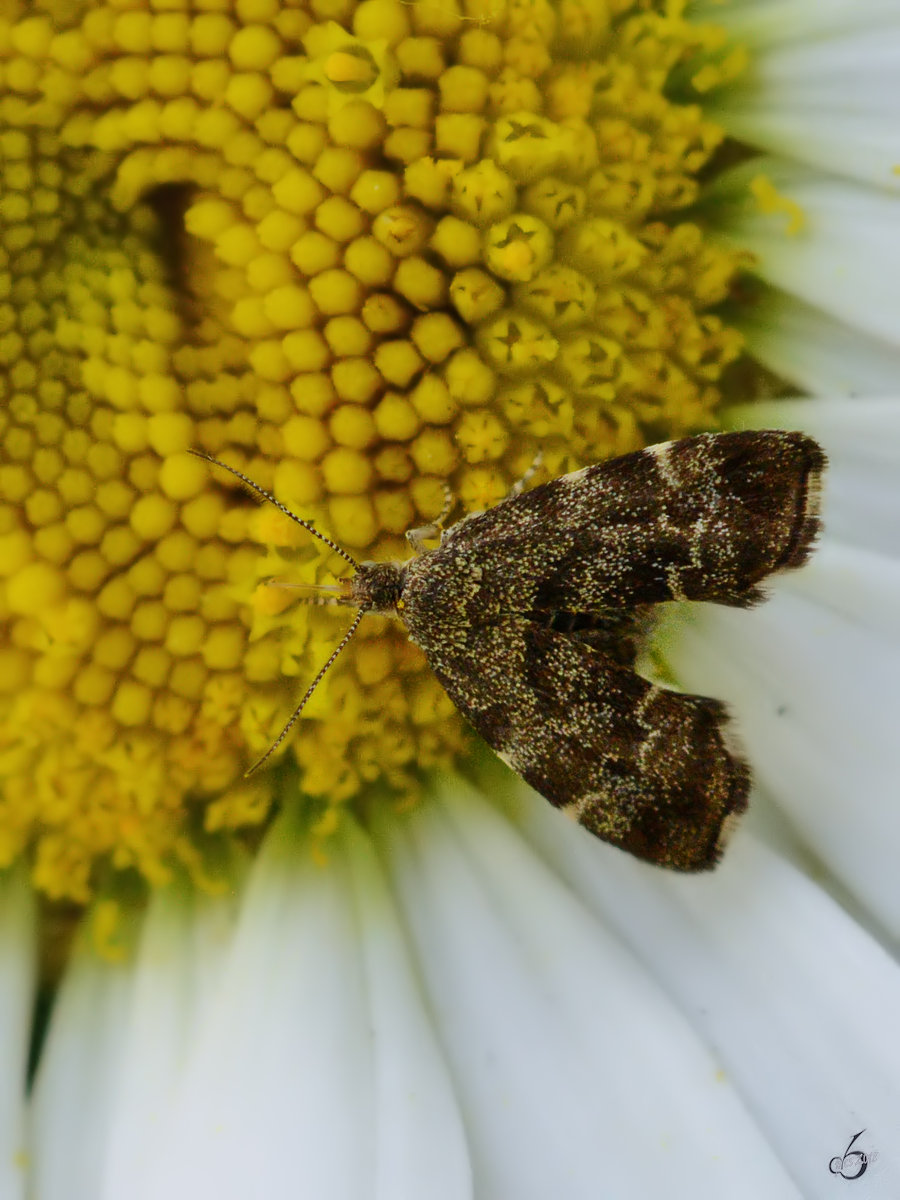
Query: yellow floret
x=305 y=350
x=94 y=685
x=348 y=337
x=34 y=586
x=32 y=37
x=305 y=438
x=289 y=307
x=184 y=635
x=437 y=335
x=357 y=125
x=153 y=516
x=353 y=426
x=120 y=545
x=248 y=94
x=421 y=283
x=181 y=477
x=355 y=379
x=131 y=703
x=433 y=452
x=457 y=242
x=114 y=648
x=351 y=519
x=371 y=263
x=254 y=48
x=224 y=648
x=339 y=220
x=398 y=362
x=335 y=292
x=116 y=599
x=176 y=552
x=346 y=471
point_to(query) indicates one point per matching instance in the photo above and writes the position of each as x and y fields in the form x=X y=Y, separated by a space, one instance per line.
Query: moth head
x=376 y=587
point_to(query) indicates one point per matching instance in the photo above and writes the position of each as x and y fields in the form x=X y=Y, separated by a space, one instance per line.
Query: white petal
x=419 y=1136
x=845 y=260
x=577 y=1076
x=313 y=1070
x=773 y=22
x=799 y=1002
x=821 y=86
x=864 y=428
x=115 y=1050
x=822 y=355
x=176 y=973
x=17 y=979
x=73 y=1101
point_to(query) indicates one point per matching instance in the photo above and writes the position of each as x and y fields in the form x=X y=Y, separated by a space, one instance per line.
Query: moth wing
x=703 y=518
x=641 y=767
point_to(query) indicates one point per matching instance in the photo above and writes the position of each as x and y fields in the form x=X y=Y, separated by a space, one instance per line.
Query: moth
x=531 y=614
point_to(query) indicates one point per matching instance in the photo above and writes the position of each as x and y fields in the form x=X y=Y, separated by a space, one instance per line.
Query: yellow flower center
x=361 y=252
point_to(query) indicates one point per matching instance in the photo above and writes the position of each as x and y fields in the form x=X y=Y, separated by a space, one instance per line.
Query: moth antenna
x=281 y=507
x=309 y=691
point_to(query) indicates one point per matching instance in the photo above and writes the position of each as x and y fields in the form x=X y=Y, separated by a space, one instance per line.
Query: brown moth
x=531 y=615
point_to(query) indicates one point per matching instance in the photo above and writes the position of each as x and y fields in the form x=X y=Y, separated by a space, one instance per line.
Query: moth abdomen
x=617 y=633
x=562 y=621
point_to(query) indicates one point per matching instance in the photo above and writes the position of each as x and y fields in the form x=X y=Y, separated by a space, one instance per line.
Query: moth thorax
x=376 y=587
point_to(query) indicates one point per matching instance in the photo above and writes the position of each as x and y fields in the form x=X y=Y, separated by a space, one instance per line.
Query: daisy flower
x=368 y=252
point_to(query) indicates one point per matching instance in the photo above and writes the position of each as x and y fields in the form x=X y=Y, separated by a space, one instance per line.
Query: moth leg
x=418 y=537
x=423 y=533
x=521 y=484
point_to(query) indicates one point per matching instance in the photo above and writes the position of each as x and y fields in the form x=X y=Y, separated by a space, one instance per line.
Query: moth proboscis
x=531 y=615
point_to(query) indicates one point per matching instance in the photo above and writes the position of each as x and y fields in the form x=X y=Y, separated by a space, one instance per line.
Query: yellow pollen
x=771 y=201
x=352 y=69
x=364 y=252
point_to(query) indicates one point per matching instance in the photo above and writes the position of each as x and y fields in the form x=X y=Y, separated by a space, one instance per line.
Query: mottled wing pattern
x=530 y=615
x=641 y=767
x=704 y=518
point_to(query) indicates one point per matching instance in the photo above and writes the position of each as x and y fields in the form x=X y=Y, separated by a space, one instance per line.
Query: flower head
x=364 y=254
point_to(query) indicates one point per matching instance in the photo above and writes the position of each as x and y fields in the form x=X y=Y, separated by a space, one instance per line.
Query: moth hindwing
x=531 y=615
